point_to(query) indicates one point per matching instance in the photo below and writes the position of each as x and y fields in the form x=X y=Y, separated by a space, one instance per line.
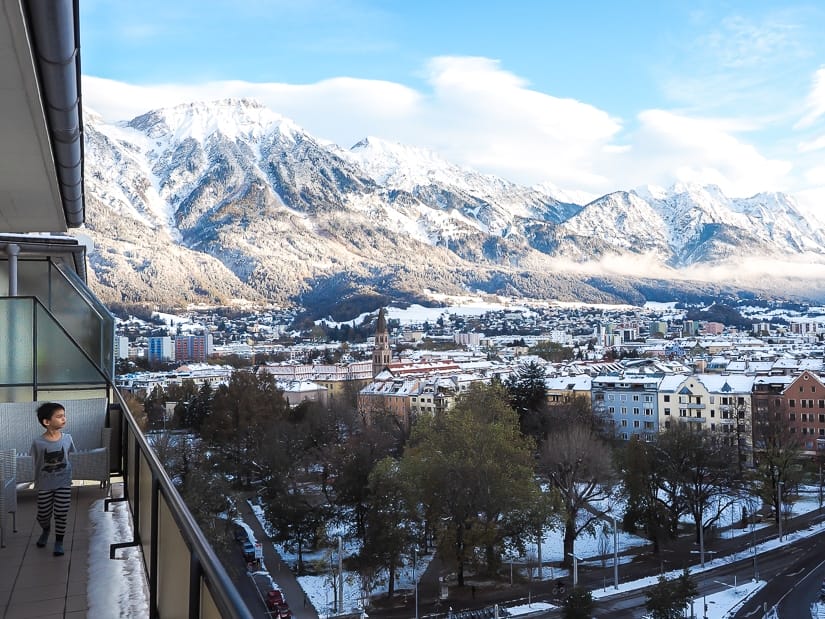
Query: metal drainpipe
x=12 y=250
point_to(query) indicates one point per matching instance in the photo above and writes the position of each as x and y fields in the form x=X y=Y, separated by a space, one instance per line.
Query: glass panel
x=75 y=316
x=4 y=277
x=74 y=392
x=93 y=326
x=59 y=360
x=16 y=329
x=16 y=394
x=33 y=279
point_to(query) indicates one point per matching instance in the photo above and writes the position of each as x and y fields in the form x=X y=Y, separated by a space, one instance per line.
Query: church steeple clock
x=381 y=354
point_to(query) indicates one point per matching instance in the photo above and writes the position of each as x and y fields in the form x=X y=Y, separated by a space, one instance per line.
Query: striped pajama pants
x=54 y=502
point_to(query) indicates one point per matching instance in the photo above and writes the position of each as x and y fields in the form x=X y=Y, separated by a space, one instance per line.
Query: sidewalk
x=280 y=572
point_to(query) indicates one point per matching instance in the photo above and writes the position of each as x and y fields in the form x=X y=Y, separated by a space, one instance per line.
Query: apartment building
x=630 y=402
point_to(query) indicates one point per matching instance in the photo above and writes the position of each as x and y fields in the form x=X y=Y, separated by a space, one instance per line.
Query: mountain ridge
x=260 y=210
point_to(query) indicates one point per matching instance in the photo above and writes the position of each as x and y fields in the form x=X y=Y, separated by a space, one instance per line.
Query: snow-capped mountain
x=227 y=199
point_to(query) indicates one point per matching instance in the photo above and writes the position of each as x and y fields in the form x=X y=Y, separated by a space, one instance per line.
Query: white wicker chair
x=19 y=425
x=93 y=463
x=8 y=492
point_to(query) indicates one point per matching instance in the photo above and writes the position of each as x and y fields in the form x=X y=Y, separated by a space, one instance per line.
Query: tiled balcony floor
x=33 y=582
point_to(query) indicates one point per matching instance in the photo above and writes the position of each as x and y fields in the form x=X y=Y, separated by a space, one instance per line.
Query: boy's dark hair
x=45 y=411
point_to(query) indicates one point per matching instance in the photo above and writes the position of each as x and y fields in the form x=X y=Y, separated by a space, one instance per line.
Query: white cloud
x=815 y=102
x=475 y=113
x=668 y=146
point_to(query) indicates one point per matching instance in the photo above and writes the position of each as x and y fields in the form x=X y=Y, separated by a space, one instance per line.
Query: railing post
x=12 y=250
x=194 y=586
x=153 y=550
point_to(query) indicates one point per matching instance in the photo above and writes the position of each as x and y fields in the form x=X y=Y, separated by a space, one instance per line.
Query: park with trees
x=479 y=482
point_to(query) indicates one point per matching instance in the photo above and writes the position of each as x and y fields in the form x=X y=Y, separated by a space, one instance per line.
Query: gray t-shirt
x=52 y=468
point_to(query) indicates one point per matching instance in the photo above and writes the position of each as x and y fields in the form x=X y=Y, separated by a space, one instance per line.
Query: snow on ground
x=319 y=589
x=116 y=588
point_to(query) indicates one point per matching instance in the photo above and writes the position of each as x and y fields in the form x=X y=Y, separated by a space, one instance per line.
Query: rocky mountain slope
x=220 y=201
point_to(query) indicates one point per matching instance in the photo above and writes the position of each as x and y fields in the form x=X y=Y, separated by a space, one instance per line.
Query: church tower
x=381 y=355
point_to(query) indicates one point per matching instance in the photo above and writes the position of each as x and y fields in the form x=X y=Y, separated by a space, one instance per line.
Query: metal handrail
x=206 y=566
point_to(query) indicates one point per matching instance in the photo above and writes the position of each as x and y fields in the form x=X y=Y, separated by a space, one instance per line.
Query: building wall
x=630 y=403
x=804 y=404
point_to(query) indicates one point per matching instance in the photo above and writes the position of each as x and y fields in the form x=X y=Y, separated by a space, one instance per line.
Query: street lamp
x=779 y=506
x=575 y=569
x=702 y=533
x=615 y=553
x=753 y=543
x=415 y=580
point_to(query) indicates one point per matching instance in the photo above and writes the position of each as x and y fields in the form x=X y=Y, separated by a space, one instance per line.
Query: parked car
x=284 y=612
x=240 y=534
x=274 y=598
x=249 y=551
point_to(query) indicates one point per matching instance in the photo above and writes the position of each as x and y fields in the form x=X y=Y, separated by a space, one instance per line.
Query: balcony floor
x=33 y=582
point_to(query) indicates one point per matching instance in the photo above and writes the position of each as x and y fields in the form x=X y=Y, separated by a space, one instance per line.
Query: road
x=793 y=573
x=794 y=583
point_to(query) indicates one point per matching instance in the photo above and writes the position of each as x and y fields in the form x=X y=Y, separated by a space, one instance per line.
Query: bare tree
x=578 y=464
x=703 y=469
x=776 y=452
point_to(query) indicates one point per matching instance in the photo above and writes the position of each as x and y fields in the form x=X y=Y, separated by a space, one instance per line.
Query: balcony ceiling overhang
x=41 y=151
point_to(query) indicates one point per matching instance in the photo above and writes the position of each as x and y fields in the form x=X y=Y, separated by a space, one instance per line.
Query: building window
x=713 y=399
x=792 y=416
x=624 y=410
x=667 y=398
x=792 y=403
x=636 y=424
x=635 y=410
x=803 y=403
x=667 y=412
x=635 y=397
x=624 y=423
x=611 y=410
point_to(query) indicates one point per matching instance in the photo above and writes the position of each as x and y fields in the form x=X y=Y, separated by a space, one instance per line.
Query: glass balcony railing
x=39 y=358
x=186 y=579
x=79 y=313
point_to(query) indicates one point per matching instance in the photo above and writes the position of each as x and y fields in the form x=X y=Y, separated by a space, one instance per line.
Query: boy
x=53 y=473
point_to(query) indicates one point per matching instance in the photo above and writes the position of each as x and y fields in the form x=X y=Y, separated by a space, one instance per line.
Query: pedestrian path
x=280 y=572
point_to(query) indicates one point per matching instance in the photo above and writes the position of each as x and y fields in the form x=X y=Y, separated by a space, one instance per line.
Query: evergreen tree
x=528 y=397
x=669 y=598
x=474 y=472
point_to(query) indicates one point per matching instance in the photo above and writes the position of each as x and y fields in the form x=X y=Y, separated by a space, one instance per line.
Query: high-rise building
x=121 y=343
x=160 y=349
x=193 y=347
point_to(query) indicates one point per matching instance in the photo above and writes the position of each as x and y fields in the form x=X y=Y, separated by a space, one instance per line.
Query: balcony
x=57 y=345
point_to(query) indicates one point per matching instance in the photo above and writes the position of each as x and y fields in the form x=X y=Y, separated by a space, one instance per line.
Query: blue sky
x=592 y=96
